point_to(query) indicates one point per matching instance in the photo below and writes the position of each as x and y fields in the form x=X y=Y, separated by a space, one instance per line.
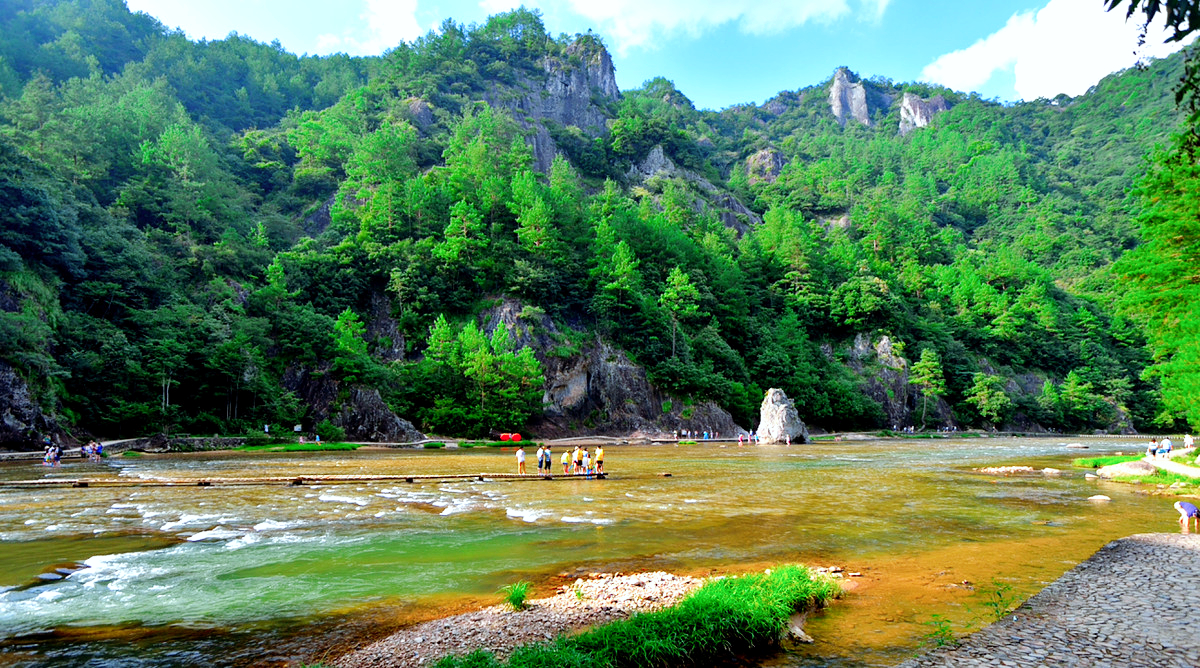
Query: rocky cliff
x=764 y=166
x=729 y=209
x=916 y=112
x=359 y=411
x=572 y=91
x=592 y=387
x=23 y=422
x=884 y=378
x=851 y=98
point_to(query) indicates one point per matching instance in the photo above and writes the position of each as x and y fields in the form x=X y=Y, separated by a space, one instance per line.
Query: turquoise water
x=262 y=574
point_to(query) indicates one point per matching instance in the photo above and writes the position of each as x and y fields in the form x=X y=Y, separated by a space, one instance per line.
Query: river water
x=272 y=574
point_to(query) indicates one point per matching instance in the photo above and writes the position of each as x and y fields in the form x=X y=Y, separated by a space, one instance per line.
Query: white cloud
x=1066 y=47
x=640 y=23
x=388 y=22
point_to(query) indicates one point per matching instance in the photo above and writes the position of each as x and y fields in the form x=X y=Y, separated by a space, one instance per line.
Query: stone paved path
x=1136 y=602
x=1175 y=467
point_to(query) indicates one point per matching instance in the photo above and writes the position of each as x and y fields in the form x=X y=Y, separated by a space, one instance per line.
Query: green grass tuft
x=433 y=446
x=299 y=447
x=1109 y=460
x=131 y=453
x=515 y=594
x=722 y=621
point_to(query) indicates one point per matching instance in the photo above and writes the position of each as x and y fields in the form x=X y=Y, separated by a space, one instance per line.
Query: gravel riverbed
x=587 y=602
x=1133 y=603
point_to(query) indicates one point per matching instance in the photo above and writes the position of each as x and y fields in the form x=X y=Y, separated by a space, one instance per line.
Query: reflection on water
x=247 y=574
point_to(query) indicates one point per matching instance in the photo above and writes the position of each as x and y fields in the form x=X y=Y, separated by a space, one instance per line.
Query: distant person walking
x=1187 y=513
x=1188 y=441
x=1152 y=449
x=520 y=460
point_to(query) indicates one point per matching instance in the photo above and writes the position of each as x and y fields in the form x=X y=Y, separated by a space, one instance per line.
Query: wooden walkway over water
x=284 y=480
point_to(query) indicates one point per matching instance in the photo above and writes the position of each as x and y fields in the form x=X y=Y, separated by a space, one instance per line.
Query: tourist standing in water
x=566 y=461
x=541 y=456
x=549 y=460
x=599 y=459
x=520 y=460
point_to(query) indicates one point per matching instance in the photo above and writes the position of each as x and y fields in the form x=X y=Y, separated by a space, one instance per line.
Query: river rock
x=1133 y=468
x=778 y=419
x=1099 y=497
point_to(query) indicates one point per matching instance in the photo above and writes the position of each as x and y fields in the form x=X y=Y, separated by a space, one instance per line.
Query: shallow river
x=256 y=575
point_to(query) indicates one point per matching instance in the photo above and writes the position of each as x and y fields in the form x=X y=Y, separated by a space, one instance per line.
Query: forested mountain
x=478 y=232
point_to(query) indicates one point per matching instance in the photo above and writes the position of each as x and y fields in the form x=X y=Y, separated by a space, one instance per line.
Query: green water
x=276 y=574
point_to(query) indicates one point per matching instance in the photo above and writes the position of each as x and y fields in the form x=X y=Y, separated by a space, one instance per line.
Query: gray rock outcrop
x=764 y=166
x=565 y=93
x=363 y=415
x=733 y=213
x=850 y=98
x=594 y=388
x=916 y=112
x=1133 y=468
x=778 y=420
x=22 y=420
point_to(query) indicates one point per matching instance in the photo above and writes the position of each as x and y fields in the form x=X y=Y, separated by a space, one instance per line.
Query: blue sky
x=725 y=52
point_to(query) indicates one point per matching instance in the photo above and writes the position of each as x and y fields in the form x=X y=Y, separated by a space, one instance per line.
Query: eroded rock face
x=565 y=95
x=733 y=213
x=764 y=166
x=594 y=388
x=850 y=98
x=778 y=420
x=365 y=417
x=22 y=422
x=916 y=112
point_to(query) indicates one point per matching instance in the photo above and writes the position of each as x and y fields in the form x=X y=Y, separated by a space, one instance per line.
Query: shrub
x=515 y=594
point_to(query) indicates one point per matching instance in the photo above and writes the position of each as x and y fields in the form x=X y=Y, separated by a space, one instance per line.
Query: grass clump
x=1159 y=477
x=433 y=446
x=1109 y=460
x=299 y=447
x=131 y=453
x=722 y=621
x=515 y=594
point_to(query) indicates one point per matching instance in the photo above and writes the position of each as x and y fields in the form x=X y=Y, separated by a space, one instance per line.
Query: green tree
x=989 y=398
x=679 y=298
x=928 y=376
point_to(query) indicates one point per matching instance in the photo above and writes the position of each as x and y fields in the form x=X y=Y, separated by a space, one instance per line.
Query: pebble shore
x=1132 y=604
x=587 y=602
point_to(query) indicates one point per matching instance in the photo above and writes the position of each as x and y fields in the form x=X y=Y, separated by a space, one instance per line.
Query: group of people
x=577 y=462
x=697 y=435
x=1159 y=449
x=752 y=438
x=93 y=450
x=53 y=452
